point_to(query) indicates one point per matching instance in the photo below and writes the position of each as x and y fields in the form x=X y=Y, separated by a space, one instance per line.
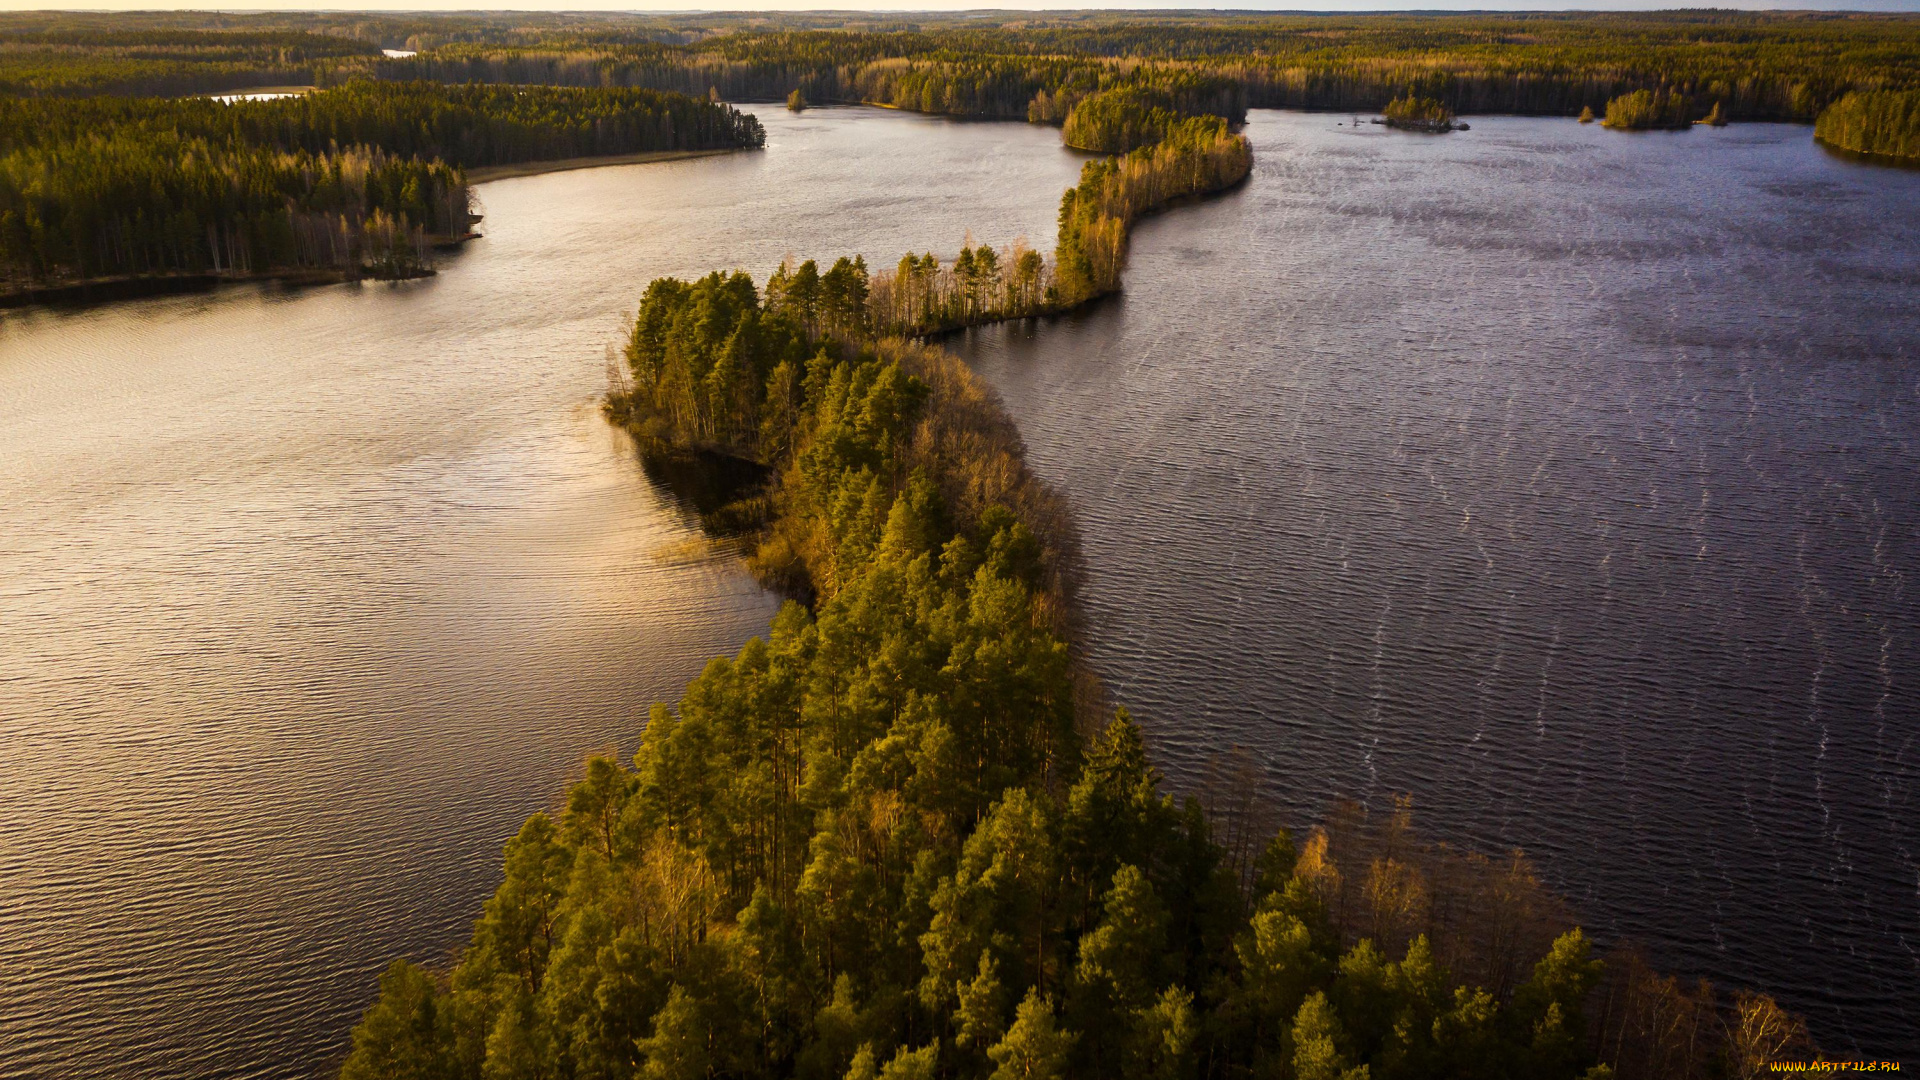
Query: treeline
x=1198 y=155
x=716 y=365
x=1128 y=117
x=920 y=296
x=359 y=179
x=1756 y=66
x=1750 y=65
x=132 y=204
x=1885 y=123
x=164 y=62
x=902 y=70
x=1116 y=121
x=465 y=126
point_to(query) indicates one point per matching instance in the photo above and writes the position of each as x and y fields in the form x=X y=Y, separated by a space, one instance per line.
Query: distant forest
x=1754 y=65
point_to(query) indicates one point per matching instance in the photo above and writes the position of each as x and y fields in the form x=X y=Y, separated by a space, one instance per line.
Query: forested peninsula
x=357 y=180
x=904 y=837
x=1881 y=124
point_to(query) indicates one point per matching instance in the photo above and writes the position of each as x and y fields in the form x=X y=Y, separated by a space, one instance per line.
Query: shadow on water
x=1858 y=157
x=103 y=291
x=963 y=339
x=730 y=495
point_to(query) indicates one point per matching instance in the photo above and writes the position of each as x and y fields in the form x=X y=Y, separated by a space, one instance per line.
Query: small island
x=1418 y=114
x=1645 y=110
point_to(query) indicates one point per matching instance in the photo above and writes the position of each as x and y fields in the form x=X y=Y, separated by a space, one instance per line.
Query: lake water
x=308 y=598
x=1561 y=478
x=1565 y=479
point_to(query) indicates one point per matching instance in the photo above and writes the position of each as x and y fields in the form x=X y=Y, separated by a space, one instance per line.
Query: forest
x=904 y=836
x=1111 y=82
x=1756 y=66
x=358 y=179
x=466 y=126
x=1882 y=123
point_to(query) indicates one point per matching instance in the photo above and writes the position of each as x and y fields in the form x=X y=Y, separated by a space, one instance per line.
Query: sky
x=961 y=5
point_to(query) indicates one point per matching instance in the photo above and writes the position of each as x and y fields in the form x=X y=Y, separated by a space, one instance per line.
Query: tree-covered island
x=1418 y=114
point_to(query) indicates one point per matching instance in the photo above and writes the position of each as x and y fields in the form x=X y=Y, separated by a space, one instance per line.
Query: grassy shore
x=533 y=168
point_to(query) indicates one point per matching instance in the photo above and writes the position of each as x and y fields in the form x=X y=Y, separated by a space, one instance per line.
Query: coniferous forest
x=1883 y=123
x=1756 y=65
x=356 y=179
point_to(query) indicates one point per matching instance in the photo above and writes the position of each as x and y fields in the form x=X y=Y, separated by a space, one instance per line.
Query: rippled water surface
x=308 y=598
x=1564 y=479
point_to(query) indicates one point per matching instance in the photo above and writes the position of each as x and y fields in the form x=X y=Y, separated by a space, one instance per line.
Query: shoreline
x=104 y=290
x=90 y=292
x=489 y=173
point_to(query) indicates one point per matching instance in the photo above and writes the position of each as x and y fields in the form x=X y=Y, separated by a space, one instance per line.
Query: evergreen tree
x=401 y=1037
x=1034 y=1048
x=1319 y=1052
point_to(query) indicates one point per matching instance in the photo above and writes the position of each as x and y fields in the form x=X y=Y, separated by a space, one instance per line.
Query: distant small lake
x=267 y=93
x=1566 y=479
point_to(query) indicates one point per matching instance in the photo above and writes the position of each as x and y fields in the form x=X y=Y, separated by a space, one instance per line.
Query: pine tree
x=1319 y=1052
x=678 y=1048
x=1034 y=1047
x=400 y=1037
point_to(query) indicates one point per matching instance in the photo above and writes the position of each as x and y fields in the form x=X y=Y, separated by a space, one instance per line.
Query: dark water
x=1564 y=479
x=308 y=599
